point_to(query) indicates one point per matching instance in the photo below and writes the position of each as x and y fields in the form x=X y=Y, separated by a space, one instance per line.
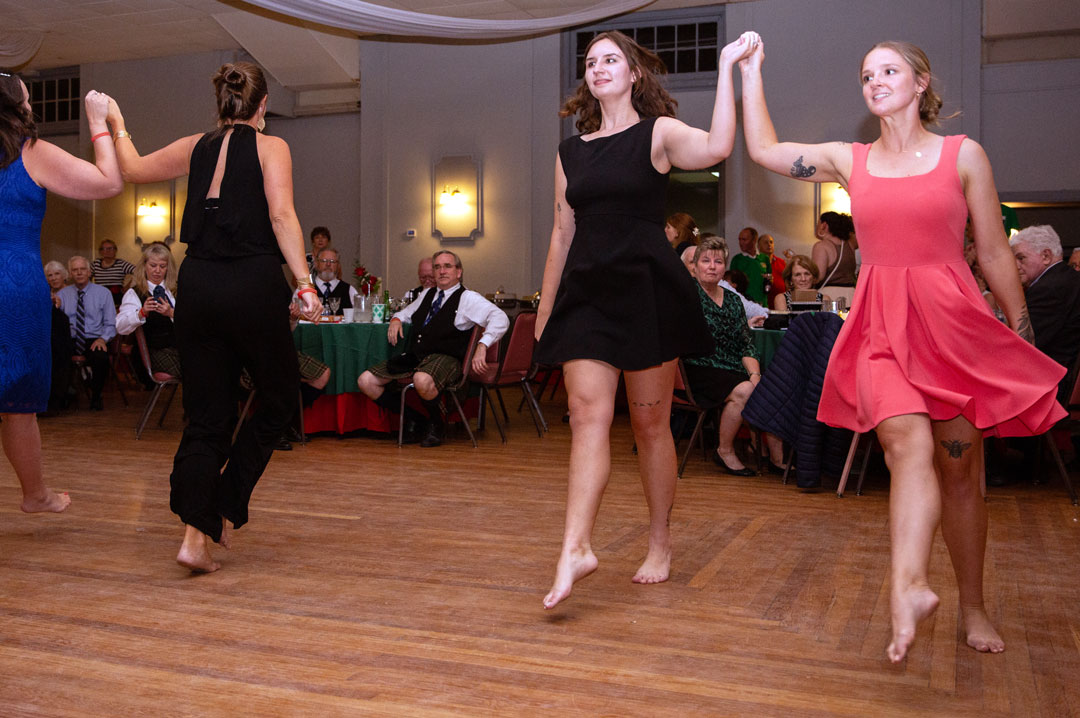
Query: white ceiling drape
x=16 y=48
x=364 y=17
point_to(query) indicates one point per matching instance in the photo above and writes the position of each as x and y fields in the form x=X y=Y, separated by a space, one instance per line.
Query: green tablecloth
x=348 y=349
x=766 y=341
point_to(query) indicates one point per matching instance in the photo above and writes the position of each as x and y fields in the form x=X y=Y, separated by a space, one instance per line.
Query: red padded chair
x=515 y=368
x=160 y=379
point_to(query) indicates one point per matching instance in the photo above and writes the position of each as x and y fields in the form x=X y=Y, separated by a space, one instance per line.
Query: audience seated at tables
x=834 y=254
x=62 y=346
x=426 y=275
x=110 y=272
x=92 y=314
x=329 y=285
x=773 y=265
x=442 y=319
x=798 y=275
x=1052 y=292
x=320 y=240
x=728 y=375
x=150 y=303
x=755 y=313
x=747 y=262
x=681 y=231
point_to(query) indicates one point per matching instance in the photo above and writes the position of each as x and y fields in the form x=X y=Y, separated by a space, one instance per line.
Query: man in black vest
x=328 y=284
x=442 y=319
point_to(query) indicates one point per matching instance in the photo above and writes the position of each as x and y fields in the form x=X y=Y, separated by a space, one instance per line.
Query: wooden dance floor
x=377 y=581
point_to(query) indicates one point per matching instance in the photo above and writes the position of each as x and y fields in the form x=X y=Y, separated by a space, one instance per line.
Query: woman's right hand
x=739 y=50
x=753 y=60
x=312 y=306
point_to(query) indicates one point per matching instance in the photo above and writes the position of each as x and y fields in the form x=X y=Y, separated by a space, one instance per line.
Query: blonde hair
x=155 y=250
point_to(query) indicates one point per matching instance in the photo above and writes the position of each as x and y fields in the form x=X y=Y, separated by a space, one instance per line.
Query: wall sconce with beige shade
x=457 y=206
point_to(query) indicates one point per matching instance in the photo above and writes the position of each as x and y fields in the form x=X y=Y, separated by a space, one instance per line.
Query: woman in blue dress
x=28 y=168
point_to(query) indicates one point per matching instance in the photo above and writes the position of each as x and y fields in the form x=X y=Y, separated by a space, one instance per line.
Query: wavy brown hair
x=648 y=96
x=930 y=101
x=239 y=88
x=16 y=122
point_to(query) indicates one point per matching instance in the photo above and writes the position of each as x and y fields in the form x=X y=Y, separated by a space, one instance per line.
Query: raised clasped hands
x=753 y=59
x=741 y=49
x=97 y=108
x=114 y=118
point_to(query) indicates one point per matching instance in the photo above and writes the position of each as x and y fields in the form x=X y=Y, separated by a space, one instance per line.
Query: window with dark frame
x=56 y=100
x=686 y=48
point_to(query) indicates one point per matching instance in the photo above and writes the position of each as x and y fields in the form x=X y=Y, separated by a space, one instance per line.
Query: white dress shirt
x=472 y=310
x=322 y=287
x=752 y=309
x=128 y=318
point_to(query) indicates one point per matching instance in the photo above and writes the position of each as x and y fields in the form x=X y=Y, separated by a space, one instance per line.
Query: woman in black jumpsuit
x=232 y=302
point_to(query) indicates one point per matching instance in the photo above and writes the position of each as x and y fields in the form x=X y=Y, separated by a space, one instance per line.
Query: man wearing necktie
x=328 y=283
x=92 y=314
x=442 y=319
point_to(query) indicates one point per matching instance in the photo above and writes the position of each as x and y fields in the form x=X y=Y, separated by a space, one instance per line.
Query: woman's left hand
x=97 y=107
x=741 y=49
x=312 y=306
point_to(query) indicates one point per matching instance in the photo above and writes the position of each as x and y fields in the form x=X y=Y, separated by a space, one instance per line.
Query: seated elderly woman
x=799 y=275
x=728 y=375
x=62 y=345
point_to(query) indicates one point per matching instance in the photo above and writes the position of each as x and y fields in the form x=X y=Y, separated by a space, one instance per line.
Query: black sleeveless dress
x=624 y=298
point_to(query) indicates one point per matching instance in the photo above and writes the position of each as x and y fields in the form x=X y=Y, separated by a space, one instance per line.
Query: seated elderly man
x=92 y=314
x=442 y=318
x=327 y=281
x=426 y=275
x=1052 y=292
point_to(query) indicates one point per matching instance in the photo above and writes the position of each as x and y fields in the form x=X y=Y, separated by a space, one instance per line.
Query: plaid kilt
x=166 y=359
x=443 y=368
x=310 y=370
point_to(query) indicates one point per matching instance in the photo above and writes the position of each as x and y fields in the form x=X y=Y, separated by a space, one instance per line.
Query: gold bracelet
x=122 y=133
x=304 y=283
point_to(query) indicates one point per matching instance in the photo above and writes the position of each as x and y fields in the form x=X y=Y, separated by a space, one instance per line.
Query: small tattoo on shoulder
x=558 y=206
x=956 y=448
x=801 y=171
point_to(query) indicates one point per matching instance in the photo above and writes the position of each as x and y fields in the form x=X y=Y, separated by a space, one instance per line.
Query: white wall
x=1030 y=115
x=497 y=102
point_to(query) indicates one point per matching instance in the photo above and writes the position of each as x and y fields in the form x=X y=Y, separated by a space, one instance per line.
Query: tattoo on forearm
x=801 y=171
x=956 y=448
x=1023 y=327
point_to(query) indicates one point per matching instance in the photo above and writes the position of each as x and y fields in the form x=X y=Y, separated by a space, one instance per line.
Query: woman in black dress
x=232 y=307
x=615 y=298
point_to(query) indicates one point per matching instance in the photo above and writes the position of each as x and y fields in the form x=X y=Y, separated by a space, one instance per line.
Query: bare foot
x=980 y=632
x=194 y=552
x=656 y=568
x=226 y=534
x=51 y=502
x=573 y=566
x=909 y=607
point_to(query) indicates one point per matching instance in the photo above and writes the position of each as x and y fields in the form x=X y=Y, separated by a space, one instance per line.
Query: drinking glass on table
x=335 y=304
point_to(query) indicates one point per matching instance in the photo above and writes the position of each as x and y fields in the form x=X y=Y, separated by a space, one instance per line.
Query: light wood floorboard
x=377 y=581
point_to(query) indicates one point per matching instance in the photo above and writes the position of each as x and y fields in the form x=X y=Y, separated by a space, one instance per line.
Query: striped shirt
x=111 y=276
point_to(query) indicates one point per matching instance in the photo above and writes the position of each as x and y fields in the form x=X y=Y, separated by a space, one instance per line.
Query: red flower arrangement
x=366 y=282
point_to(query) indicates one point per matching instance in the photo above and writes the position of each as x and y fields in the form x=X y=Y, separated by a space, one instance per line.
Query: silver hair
x=53 y=266
x=79 y=256
x=711 y=244
x=1039 y=237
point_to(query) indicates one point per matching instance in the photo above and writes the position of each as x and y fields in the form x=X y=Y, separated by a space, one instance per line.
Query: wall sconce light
x=830 y=197
x=457 y=210
x=151 y=210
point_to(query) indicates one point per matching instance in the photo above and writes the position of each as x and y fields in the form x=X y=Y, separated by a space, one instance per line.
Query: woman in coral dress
x=921 y=359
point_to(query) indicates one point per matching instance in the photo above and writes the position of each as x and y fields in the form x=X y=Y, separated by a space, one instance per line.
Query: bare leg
x=958 y=453
x=226 y=534
x=590 y=386
x=649 y=394
x=730 y=421
x=776 y=449
x=370 y=385
x=22 y=446
x=914 y=514
x=194 y=552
